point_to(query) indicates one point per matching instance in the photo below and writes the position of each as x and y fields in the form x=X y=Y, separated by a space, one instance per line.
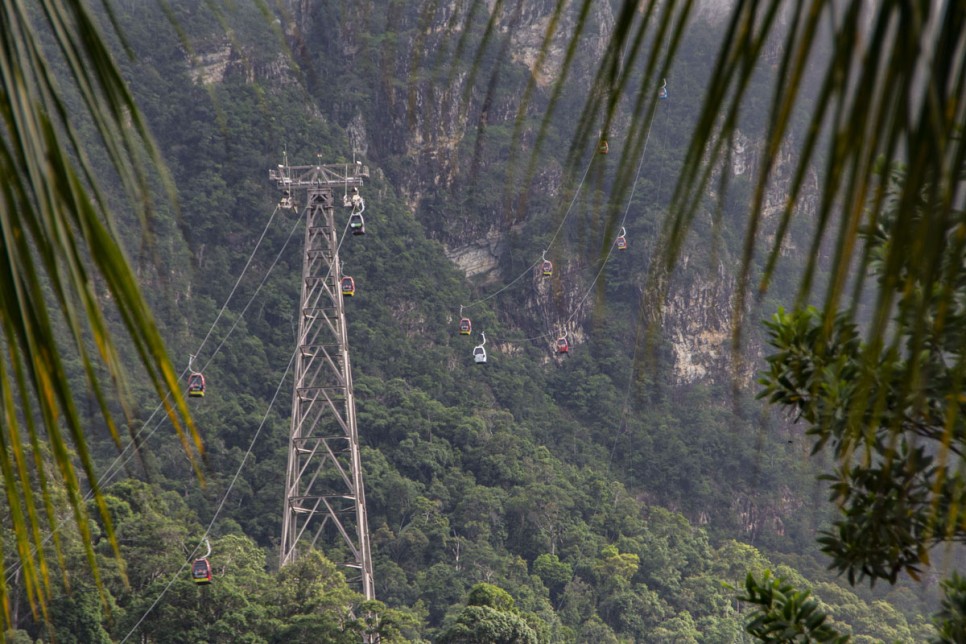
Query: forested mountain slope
x=612 y=491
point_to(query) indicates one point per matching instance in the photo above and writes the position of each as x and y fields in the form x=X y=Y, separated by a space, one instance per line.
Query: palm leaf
x=892 y=90
x=60 y=245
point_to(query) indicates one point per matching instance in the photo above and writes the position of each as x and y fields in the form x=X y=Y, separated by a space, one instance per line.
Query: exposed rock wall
x=428 y=117
x=698 y=317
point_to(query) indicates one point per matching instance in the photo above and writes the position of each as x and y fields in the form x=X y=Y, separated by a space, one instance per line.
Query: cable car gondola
x=547 y=267
x=348 y=286
x=465 y=326
x=602 y=147
x=196 y=385
x=662 y=91
x=562 y=345
x=357 y=224
x=621 y=242
x=479 y=353
x=201 y=571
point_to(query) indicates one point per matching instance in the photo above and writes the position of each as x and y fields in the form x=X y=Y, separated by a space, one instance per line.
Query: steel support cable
x=637 y=337
x=241 y=315
x=610 y=250
x=257 y=289
x=637 y=341
x=238 y=281
x=122 y=458
x=115 y=466
x=116 y=462
x=210 y=329
x=224 y=498
x=530 y=268
x=221 y=504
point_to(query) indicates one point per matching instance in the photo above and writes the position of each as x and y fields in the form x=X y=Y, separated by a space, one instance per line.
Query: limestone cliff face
x=697 y=319
x=699 y=314
x=426 y=126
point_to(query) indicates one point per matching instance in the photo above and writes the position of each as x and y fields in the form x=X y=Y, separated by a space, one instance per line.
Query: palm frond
x=891 y=94
x=59 y=243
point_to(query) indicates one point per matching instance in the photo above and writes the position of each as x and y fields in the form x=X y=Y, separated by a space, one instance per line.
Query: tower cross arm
x=288 y=177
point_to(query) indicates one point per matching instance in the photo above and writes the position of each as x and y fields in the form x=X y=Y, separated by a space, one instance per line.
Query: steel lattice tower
x=324 y=494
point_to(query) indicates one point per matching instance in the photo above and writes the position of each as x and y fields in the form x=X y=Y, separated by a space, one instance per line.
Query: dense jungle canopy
x=788 y=304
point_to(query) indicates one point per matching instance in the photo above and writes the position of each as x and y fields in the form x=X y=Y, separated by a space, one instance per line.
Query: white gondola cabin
x=479 y=353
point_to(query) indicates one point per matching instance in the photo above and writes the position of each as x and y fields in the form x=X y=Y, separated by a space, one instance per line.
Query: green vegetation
x=897 y=439
x=536 y=499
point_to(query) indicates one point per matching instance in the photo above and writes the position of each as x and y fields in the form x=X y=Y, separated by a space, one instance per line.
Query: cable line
x=550 y=334
x=571 y=207
x=224 y=498
x=121 y=459
x=637 y=338
x=610 y=248
x=238 y=281
x=576 y=310
x=530 y=268
x=221 y=505
x=251 y=299
x=257 y=289
x=217 y=349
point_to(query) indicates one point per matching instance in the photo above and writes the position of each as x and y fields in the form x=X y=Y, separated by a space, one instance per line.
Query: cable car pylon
x=325 y=501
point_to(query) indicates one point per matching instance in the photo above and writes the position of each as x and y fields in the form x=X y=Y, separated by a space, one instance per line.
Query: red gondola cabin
x=562 y=345
x=348 y=287
x=196 y=385
x=547 y=268
x=621 y=243
x=465 y=326
x=201 y=571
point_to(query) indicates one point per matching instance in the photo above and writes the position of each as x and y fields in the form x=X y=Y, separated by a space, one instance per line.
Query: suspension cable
x=530 y=268
x=224 y=498
x=204 y=538
x=124 y=457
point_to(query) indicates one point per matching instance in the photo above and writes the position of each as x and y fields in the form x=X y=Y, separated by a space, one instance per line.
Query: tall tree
x=892 y=412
